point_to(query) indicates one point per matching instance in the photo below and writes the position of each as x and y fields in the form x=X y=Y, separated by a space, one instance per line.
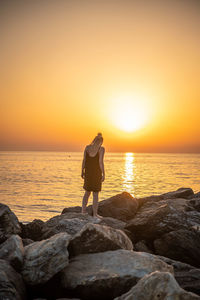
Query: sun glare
x=129 y=114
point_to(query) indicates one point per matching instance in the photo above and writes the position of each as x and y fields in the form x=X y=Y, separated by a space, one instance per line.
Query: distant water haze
x=40 y=184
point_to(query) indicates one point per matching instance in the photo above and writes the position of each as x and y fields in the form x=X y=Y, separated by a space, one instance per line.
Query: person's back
x=93 y=172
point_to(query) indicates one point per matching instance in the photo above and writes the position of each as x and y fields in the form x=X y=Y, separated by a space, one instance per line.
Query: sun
x=129 y=115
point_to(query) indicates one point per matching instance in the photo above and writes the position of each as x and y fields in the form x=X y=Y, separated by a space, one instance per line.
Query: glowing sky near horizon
x=66 y=64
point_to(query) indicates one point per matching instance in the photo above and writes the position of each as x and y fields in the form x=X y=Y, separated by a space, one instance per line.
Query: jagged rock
x=195 y=203
x=157 y=285
x=114 y=223
x=153 y=198
x=27 y=242
x=42 y=260
x=180 y=245
x=70 y=223
x=121 y=206
x=74 y=209
x=95 y=238
x=187 y=276
x=32 y=230
x=157 y=218
x=12 y=250
x=180 y=193
x=108 y=274
x=142 y=247
x=11 y=284
x=9 y=223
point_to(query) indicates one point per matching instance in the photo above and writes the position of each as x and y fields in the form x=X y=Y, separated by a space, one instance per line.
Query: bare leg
x=95 y=204
x=85 y=201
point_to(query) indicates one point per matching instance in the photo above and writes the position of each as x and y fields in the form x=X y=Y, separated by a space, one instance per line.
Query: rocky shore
x=142 y=249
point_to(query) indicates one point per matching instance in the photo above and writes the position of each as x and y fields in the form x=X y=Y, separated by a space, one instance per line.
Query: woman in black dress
x=93 y=172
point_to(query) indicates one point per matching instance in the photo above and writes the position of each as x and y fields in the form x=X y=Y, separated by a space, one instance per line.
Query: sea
x=40 y=184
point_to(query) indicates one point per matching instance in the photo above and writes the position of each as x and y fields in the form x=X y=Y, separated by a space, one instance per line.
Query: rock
x=12 y=250
x=108 y=274
x=157 y=285
x=42 y=260
x=11 y=284
x=73 y=209
x=121 y=206
x=180 y=245
x=180 y=193
x=32 y=230
x=27 y=242
x=95 y=238
x=9 y=223
x=187 y=276
x=153 y=198
x=157 y=218
x=69 y=222
x=195 y=203
x=114 y=223
x=142 y=247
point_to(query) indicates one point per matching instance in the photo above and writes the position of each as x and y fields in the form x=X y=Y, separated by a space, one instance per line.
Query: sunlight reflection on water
x=40 y=184
x=129 y=172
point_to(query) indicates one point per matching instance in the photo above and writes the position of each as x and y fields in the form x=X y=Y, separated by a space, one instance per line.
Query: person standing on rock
x=93 y=172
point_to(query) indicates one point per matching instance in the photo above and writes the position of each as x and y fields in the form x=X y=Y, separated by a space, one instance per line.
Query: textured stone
x=180 y=245
x=12 y=250
x=9 y=223
x=158 y=285
x=42 y=260
x=187 y=276
x=180 y=193
x=95 y=238
x=32 y=230
x=108 y=274
x=121 y=206
x=11 y=284
x=157 y=218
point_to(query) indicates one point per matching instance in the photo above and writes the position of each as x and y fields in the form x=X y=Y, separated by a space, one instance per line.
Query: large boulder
x=180 y=245
x=32 y=230
x=95 y=238
x=11 y=284
x=9 y=223
x=42 y=260
x=12 y=250
x=108 y=274
x=157 y=218
x=187 y=276
x=70 y=223
x=121 y=206
x=180 y=193
x=157 y=285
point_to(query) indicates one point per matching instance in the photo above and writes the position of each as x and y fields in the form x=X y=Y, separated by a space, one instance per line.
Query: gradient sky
x=69 y=69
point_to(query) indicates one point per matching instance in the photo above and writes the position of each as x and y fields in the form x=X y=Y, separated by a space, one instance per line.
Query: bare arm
x=83 y=164
x=101 y=163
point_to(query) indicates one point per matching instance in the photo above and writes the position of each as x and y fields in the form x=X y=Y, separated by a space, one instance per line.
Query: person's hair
x=96 y=144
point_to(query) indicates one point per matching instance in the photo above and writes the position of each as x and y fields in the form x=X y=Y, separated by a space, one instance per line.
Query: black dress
x=92 y=180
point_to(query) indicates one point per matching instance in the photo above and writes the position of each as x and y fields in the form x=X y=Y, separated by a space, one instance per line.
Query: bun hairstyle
x=98 y=138
x=96 y=144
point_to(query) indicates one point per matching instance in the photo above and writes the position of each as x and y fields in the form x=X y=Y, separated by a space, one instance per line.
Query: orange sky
x=69 y=69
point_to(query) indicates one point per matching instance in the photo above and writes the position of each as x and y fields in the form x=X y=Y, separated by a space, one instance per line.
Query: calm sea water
x=40 y=184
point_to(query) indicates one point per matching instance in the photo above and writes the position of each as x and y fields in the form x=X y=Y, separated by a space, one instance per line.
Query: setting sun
x=129 y=113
